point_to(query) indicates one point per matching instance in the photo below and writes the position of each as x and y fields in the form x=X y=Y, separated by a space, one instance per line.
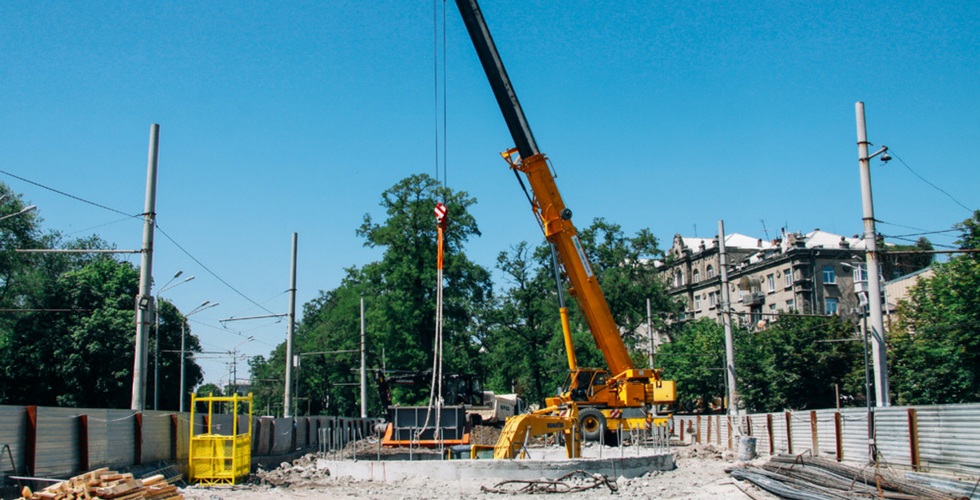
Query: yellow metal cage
x=220 y=458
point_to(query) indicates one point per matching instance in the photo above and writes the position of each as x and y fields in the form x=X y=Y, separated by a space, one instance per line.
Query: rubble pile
x=301 y=472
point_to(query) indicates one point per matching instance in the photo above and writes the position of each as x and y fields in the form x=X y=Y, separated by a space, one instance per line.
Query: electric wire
x=83 y=200
x=435 y=80
x=99 y=226
x=923 y=179
x=212 y=273
x=445 y=105
x=920 y=234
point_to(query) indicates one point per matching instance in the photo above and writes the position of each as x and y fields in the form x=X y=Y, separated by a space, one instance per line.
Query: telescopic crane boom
x=623 y=388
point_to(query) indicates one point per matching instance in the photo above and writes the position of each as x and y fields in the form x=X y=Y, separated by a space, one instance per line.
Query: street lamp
x=183 y=355
x=23 y=211
x=156 y=351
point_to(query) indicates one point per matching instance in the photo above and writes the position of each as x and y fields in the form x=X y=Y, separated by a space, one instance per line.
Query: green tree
x=526 y=336
x=67 y=337
x=694 y=359
x=935 y=349
x=795 y=363
x=400 y=300
x=798 y=362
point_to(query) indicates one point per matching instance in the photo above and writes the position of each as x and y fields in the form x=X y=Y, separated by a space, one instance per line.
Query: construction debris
x=572 y=482
x=103 y=484
x=813 y=478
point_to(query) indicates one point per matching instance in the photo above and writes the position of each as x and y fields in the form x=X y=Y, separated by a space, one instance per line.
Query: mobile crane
x=623 y=395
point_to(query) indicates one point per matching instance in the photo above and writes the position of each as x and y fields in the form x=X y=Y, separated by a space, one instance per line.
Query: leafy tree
x=523 y=322
x=935 y=349
x=694 y=359
x=785 y=366
x=67 y=337
x=529 y=347
x=798 y=362
x=400 y=297
x=894 y=265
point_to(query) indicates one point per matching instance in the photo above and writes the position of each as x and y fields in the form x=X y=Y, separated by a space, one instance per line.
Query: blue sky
x=293 y=117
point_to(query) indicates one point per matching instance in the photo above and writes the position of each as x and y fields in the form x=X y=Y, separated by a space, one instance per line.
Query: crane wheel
x=592 y=423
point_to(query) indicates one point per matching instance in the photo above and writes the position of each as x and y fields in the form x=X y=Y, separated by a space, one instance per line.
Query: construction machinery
x=512 y=442
x=468 y=405
x=463 y=389
x=621 y=396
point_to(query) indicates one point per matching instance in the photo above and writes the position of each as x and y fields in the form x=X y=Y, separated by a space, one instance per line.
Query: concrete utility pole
x=726 y=309
x=877 y=325
x=363 y=366
x=291 y=330
x=145 y=308
x=650 y=331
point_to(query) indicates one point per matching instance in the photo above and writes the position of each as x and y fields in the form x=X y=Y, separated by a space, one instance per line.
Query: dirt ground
x=700 y=474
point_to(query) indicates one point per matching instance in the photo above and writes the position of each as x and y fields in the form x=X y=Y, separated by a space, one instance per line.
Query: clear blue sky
x=293 y=117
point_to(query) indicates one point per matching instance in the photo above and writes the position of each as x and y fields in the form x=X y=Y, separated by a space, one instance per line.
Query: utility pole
x=363 y=366
x=650 y=332
x=726 y=308
x=145 y=308
x=291 y=330
x=877 y=325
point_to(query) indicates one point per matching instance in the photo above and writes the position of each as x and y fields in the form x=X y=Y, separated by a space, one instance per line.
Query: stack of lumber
x=813 y=478
x=104 y=484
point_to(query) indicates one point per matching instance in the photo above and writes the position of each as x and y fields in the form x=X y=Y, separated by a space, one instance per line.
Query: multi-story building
x=809 y=274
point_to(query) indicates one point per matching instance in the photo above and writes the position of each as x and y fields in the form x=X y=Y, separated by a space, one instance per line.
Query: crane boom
x=548 y=204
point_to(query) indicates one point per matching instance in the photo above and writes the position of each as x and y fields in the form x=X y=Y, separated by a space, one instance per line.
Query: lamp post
x=156 y=327
x=183 y=354
x=22 y=211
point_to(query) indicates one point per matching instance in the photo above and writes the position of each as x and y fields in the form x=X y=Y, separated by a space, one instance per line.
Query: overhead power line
x=83 y=200
x=212 y=273
x=923 y=179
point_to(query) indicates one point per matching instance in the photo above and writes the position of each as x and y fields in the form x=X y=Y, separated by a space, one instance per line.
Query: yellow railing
x=220 y=458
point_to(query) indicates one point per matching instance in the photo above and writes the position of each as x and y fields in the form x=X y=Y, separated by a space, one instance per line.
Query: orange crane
x=621 y=396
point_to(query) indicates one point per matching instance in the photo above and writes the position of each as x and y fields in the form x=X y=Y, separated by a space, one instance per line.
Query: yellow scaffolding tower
x=220 y=458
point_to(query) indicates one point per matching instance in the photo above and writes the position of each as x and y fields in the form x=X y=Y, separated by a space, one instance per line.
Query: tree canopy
x=935 y=349
x=66 y=330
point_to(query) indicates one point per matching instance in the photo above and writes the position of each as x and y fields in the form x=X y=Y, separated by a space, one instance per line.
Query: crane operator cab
x=583 y=384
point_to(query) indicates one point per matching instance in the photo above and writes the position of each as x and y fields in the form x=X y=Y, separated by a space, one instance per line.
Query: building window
x=772 y=310
x=861 y=273
x=697 y=302
x=771 y=281
x=711 y=272
x=679 y=278
x=741 y=294
x=788 y=277
x=713 y=299
x=697 y=276
x=790 y=306
x=828 y=276
x=831 y=306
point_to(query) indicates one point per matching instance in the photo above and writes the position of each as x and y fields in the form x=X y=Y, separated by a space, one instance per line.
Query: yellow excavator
x=622 y=396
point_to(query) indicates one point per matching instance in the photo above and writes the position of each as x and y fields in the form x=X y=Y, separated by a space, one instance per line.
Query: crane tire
x=592 y=423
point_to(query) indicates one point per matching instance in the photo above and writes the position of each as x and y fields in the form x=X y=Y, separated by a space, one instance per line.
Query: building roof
x=733 y=240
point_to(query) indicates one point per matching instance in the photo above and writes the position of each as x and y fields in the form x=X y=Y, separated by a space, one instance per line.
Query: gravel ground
x=700 y=474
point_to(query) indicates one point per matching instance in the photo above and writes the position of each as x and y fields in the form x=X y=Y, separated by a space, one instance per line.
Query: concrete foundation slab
x=451 y=470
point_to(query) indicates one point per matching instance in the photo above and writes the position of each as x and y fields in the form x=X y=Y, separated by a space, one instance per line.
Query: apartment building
x=809 y=273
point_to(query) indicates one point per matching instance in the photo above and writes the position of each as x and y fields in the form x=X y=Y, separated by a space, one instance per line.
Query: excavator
x=608 y=400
